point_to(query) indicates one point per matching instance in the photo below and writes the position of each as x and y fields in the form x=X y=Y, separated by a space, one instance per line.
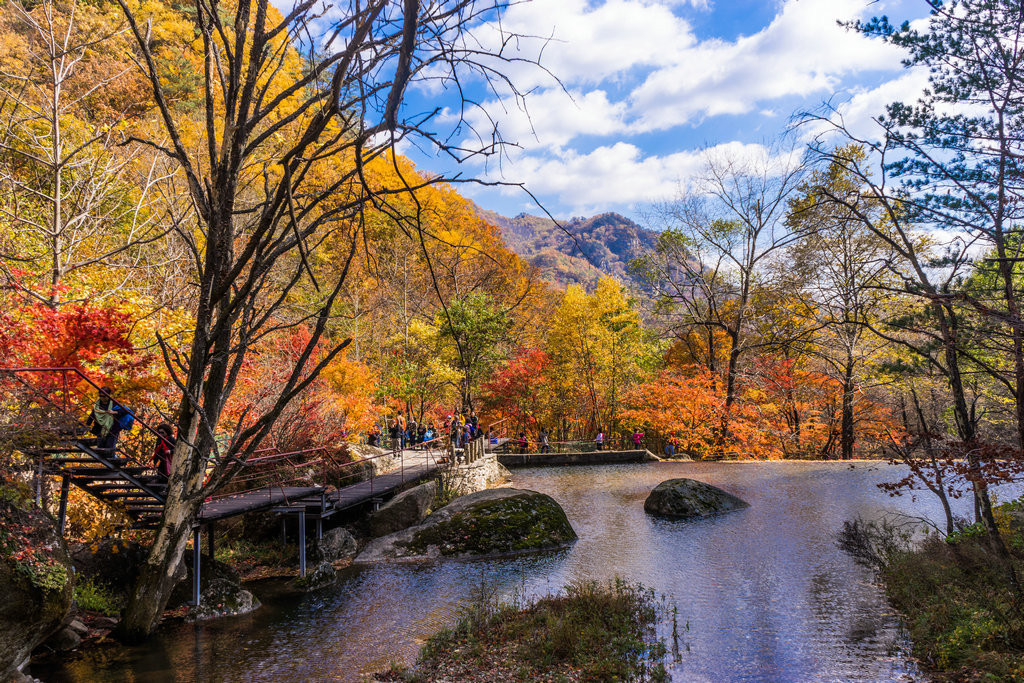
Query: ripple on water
x=764 y=592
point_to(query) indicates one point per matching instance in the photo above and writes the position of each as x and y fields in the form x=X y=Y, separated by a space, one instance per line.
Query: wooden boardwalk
x=418 y=466
x=250 y=501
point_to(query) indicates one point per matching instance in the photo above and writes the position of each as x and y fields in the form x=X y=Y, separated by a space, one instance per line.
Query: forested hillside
x=579 y=250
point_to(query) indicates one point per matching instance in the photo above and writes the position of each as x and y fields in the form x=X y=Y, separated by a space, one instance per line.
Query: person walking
x=402 y=434
x=394 y=433
x=107 y=420
x=164 y=450
x=545 y=447
x=599 y=439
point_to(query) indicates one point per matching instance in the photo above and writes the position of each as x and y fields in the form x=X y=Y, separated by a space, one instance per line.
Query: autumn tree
x=597 y=348
x=730 y=227
x=840 y=266
x=944 y=170
x=275 y=166
x=73 y=195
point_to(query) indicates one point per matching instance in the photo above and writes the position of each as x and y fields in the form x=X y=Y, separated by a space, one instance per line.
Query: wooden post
x=197 y=538
x=62 y=511
x=302 y=541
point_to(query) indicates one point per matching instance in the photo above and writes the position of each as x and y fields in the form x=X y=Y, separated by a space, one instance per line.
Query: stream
x=763 y=594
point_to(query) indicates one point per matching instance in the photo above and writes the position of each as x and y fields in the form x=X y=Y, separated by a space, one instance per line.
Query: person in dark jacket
x=164 y=450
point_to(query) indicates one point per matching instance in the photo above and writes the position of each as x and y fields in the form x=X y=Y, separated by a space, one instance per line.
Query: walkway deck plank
x=250 y=501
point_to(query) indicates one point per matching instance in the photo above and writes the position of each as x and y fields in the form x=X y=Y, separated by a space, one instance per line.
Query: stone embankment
x=579 y=458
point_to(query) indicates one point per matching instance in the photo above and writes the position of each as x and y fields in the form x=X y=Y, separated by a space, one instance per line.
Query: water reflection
x=765 y=592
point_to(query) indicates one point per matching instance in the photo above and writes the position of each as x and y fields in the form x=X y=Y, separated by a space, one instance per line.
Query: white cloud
x=589 y=42
x=553 y=117
x=619 y=174
x=638 y=79
x=801 y=52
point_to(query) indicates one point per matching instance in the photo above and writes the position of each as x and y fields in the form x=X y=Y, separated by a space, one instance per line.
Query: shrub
x=92 y=596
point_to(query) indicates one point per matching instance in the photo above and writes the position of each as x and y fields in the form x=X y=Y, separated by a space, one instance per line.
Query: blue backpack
x=125 y=418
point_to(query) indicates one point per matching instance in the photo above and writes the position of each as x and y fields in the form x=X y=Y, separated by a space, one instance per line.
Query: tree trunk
x=846 y=430
x=148 y=599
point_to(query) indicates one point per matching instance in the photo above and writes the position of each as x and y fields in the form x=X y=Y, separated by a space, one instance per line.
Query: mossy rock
x=689 y=498
x=483 y=524
x=323 y=575
x=36 y=580
x=223 y=598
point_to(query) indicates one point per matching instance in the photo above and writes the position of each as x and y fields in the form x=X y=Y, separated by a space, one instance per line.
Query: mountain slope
x=581 y=250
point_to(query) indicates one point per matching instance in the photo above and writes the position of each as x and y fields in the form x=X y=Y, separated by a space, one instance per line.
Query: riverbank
x=964 y=618
x=590 y=631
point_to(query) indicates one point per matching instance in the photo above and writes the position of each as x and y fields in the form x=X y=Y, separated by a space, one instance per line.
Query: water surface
x=764 y=592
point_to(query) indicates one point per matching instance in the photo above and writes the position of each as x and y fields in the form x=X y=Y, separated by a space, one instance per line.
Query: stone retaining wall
x=591 y=458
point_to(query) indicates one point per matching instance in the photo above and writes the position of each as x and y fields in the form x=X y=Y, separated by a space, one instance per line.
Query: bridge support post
x=62 y=511
x=320 y=517
x=197 y=537
x=302 y=541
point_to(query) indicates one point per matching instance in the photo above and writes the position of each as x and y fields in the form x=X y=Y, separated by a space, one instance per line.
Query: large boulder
x=485 y=523
x=36 y=580
x=404 y=510
x=222 y=598
x=334 y=546
x=322 y=575
x=689 y=498
x=220 y=591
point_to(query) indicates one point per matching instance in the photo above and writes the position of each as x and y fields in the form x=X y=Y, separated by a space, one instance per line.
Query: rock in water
x=335 y=545
x=401 y=512
x=688 y=498
x=481 y=524
x=220 y=589
x=323 y=575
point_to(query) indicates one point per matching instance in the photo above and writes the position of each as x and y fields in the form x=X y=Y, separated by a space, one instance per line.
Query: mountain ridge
x=577 y=251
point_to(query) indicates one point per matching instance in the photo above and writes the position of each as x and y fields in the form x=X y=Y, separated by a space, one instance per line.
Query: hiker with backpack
x=108 y=419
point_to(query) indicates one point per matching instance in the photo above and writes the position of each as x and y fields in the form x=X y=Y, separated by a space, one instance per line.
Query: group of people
x=460 y=427
x=108 y=419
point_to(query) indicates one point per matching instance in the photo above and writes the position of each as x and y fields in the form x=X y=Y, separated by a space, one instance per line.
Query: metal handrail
x=67 y=389
x=138 y=417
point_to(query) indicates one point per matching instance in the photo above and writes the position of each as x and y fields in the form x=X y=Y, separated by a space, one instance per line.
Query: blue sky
x=648 y=85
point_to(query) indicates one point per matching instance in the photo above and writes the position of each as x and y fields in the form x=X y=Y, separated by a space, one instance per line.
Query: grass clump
x=254 y=560
x=93 y=596
x=962 y=613
x=587 y=632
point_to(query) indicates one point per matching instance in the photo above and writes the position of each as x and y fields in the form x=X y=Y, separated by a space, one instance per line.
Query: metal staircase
x=121 y=477
x=110 y=477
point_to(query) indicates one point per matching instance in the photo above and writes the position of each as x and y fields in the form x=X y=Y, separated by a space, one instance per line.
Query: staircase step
x=86 y=471
x=85 y=461
x=137 y=493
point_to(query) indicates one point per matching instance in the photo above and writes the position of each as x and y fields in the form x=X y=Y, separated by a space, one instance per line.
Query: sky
x=634 y=92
